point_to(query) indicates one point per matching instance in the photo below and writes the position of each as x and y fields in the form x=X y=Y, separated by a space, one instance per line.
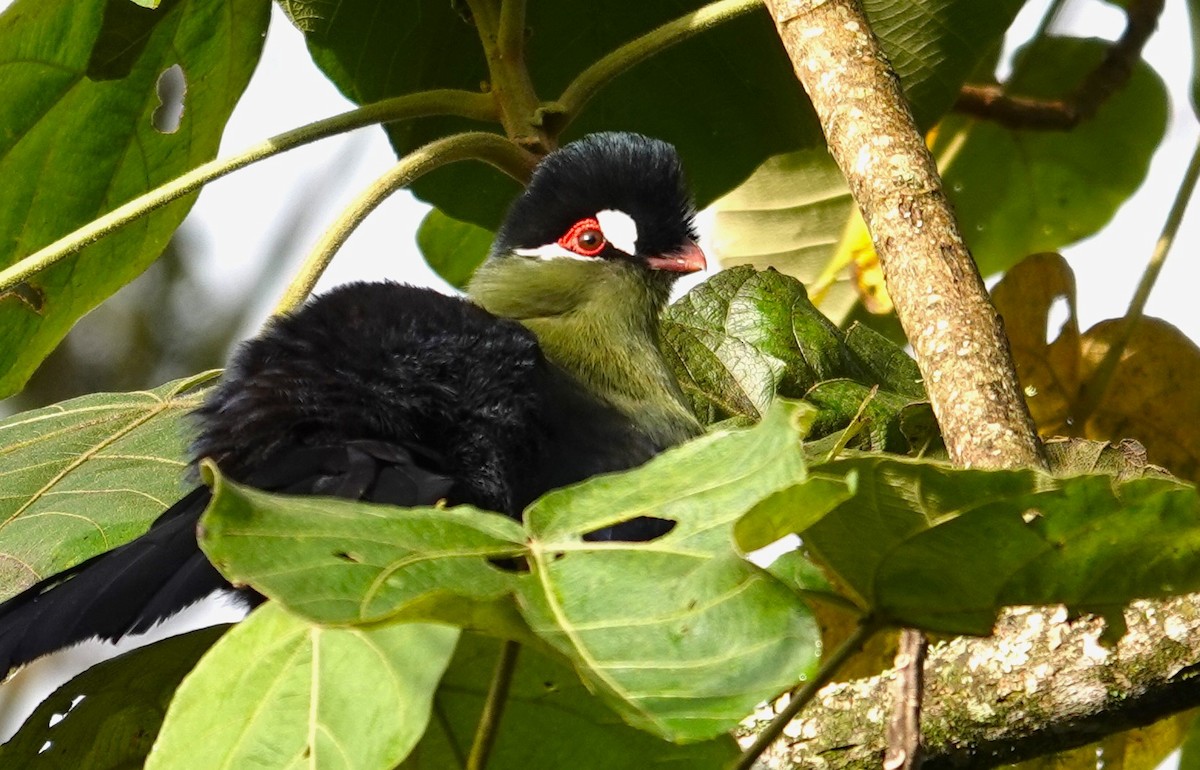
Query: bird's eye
x=584 y=238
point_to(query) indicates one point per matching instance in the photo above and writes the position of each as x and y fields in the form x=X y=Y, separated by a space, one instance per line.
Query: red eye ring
x=585 y=238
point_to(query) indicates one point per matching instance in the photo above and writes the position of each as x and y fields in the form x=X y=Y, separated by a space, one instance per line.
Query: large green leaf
x=108 y=716
x=343 y=562
x=277 y=692
x=77 y=139
x=453 y=248
x=550 y=720
x=88 y=474
x=708 y=636
x=727 y=99
x=1019 y=192
x=944 y=549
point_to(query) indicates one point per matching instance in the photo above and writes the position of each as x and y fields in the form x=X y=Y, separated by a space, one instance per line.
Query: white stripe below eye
x=619 y=229
x=551 y=251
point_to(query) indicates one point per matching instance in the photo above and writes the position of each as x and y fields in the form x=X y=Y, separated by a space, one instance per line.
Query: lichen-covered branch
x=939 y=296
x=1041 y=684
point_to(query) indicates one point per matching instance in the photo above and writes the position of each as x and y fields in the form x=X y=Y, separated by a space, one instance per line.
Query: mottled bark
x=1041 y=684
x=939 y=296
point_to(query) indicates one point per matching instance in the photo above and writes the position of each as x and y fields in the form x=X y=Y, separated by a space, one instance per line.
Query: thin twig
x=1097 y=385
x=510 y=33
x=489 y=148
x=904 y=748
x=800 y=697
x=990 y=101
x=465 y=104
x=493 y=706
x=585 y=85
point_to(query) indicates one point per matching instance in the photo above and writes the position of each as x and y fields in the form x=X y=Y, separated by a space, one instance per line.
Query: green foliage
x=100 y=467
x=108 y=716
x=452 y=248
x=1061 y=186
x=745 y=337
x=698 y=593
x=77 y=139
x=293 y=694
x=551 y=720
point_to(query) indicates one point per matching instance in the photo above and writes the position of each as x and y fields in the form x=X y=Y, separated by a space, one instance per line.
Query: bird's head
x=606 y=219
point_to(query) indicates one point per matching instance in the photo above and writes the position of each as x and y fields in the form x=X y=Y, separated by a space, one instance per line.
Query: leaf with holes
x=550 y=720
x=85 y=475
x=740 y=635
x=277 y=691
x=681 y=635
x=943 y=549
x=77 y=139
x=109 y=714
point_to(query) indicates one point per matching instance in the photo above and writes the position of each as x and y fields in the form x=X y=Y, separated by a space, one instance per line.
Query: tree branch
x=1038 y=686
x=939 y=296
x=478 y=145
x=990 y=102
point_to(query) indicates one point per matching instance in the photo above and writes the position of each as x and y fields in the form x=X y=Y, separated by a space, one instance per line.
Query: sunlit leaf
x=944 y=549
x=452 y=248
x=88 y=474
x=1150 y=395
x=277 y=692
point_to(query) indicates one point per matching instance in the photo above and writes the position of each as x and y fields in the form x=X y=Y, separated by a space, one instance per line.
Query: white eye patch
x=619 y=229
x=551 y=251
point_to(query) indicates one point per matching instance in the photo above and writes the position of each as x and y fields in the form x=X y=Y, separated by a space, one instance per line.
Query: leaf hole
x=641 y=529
x=1057 y=317
x=353 y=558
x=514 y=565
x=30 y=296
x=172 y=88
x=45 y=747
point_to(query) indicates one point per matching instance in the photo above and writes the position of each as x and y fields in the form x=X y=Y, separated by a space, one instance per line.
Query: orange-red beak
x=689 y=259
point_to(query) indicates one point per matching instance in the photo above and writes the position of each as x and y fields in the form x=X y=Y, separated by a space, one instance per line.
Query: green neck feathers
x=598 y=320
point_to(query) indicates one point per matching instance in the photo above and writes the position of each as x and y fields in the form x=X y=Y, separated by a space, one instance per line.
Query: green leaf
x=340 y=562
x=743 y=337
x=681 y=636
x=550 y=720
x=453 y=248
x=73 y=147
x=792 y=510
x=277 y=692
x=109 y=715
x=88 y=474
x=790 y=215
x=1021 y=192
x=727 y=98
x=944 y=549
x=885 y=362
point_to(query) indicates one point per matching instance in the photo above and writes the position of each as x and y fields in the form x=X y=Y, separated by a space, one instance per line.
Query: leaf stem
x=476 y=145
x=474 y=106
x=501 y=28
x=493 y=707
x=510 y=33
x=580 y=90
x=1097 y=385
x=801 y=697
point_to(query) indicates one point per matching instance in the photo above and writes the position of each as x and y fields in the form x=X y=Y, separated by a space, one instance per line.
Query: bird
x=547 y=373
